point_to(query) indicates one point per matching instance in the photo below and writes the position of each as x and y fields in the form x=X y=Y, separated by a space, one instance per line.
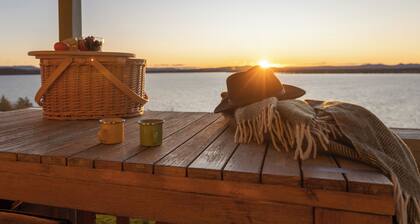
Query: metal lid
x=150 y=121
x=111 y=121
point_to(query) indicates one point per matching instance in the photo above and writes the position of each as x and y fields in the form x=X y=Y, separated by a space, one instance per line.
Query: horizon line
x=175 y=66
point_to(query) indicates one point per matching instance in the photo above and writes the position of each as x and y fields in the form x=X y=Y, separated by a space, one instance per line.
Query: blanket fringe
x=405 y=204
x=301 y=137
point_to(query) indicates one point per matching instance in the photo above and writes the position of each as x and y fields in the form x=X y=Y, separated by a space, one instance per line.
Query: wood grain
x=177 y=161
x=48 y=135
x=118 y=152
x=13 y=113
x=32 y=127
x=174 y=122
x=330 y=216
x=59 y=154
x=364 y=179
x=34 y=151
x=227 y=177
x=246 y=163
x=149 y=203
x=11 y=120
x=323 y=173
x=144 y=161
x=281 y=168
x=210 y=163
x=376 y=204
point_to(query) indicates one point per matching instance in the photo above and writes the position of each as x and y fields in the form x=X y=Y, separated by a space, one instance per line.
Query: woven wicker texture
x=85 y=91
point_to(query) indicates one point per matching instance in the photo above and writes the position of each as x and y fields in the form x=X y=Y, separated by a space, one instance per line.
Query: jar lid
x=111 y=121
x=150 y=121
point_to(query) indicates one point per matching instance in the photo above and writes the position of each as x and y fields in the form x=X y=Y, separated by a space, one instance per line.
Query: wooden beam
x=70 y=18
x=411 y=137
x=149 y=203
x=376 y=204
x=77 y=18
x=331 y=216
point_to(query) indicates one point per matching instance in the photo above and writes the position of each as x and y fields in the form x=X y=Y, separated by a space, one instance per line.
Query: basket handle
x=117 y=83
x=108 y=75
x=53 y=77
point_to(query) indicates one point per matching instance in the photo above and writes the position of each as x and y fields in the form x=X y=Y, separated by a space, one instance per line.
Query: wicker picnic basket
x=90 y=85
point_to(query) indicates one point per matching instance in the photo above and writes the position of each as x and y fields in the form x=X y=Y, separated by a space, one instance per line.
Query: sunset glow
x=180 y=34
x=264 y=63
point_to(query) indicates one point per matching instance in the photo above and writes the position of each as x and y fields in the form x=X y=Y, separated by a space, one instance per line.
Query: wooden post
x=70 y=18
x=84 y=217
x=123 y=220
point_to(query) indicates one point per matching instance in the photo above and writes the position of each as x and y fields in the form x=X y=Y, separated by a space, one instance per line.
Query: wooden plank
x=4 y=115
x=281 y=168
x=20 y=119
x=58 y=155
x=59 y=132
x=87 y=157
x=177 y=161
x=330 y=216
x=412 y=138
x=246 y=163
x=29 y=130
x=44 y=132
x=33 y=152
x=364 y=179
x=323 y=173
x=376 y=204
x=149 y=203
x=174 y=122
x=407 y=133
x=210 y=163
x=144 y=161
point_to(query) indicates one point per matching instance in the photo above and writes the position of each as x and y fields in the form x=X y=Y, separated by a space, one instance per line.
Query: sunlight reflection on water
x=395 y=98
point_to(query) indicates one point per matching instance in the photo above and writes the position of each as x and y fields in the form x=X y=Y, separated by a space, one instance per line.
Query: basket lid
x=80 y=53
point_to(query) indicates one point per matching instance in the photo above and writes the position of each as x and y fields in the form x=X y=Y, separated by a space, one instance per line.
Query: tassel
x=285 y=135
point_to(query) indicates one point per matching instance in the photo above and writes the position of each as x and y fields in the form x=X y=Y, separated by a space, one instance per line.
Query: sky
x=202 y=33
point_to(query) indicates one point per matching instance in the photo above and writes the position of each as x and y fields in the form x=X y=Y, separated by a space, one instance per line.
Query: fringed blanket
x=344 y=129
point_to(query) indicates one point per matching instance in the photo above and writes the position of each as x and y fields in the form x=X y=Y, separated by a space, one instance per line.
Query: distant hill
x=18 y=70
x=366 y=68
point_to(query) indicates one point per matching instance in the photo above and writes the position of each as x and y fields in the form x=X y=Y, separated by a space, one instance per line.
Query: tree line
x=21 y=103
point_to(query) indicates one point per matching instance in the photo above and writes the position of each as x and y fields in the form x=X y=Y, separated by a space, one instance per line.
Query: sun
x=264 y=63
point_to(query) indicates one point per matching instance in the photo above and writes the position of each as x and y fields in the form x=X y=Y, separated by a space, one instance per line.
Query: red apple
x=60 y=46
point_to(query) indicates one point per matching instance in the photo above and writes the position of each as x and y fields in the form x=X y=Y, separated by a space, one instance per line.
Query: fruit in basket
x=93 y=44
x=82 y=45
x=72 y=43
x=61 y=46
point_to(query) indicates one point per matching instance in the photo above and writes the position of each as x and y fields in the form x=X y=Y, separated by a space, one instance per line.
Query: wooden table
x=198 y=175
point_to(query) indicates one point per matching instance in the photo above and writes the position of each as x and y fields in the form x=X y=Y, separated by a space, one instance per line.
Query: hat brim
x=291 y=92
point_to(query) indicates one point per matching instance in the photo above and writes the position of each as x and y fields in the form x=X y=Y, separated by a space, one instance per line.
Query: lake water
x=395 y=98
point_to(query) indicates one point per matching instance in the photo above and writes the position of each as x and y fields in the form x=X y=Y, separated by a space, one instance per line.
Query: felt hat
x=253 y=85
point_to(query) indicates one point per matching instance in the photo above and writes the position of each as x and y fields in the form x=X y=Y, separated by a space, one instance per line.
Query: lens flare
x=264 y=63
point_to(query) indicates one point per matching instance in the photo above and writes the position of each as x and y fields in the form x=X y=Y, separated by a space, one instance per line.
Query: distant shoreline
x=368 y=68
